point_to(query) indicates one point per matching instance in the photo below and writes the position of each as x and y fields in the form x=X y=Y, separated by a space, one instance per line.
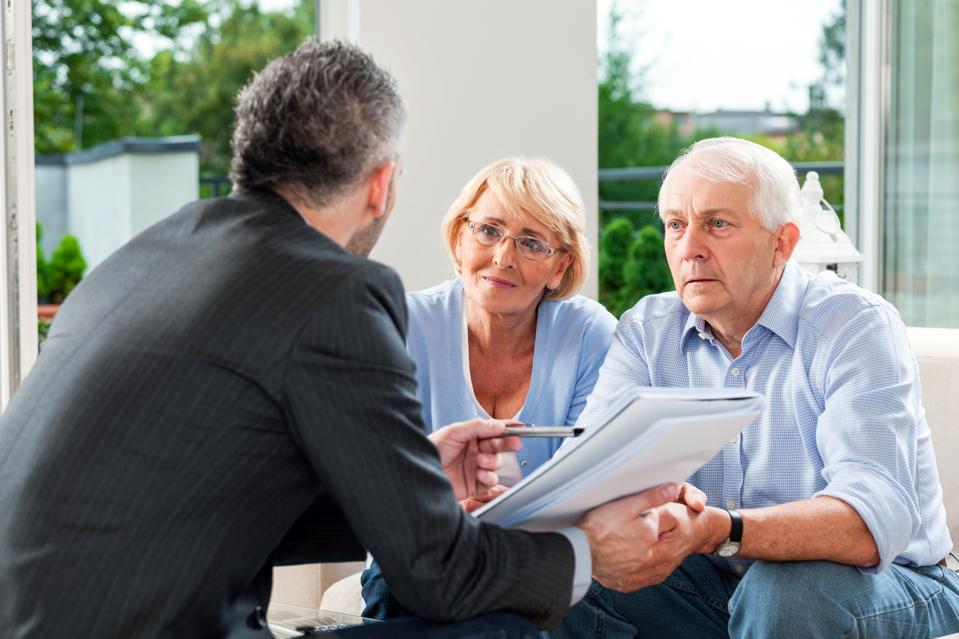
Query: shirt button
x=702 y=335
x=524 y=463
x=740 y=569
x=730 y=503
x=735 y=372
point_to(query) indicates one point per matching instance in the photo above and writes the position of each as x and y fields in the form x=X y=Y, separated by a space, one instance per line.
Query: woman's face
x=499 y=279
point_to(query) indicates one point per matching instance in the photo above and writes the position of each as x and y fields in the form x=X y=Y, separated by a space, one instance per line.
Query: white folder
x=650 y=436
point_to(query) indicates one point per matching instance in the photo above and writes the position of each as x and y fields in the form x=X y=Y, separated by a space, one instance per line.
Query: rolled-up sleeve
x=867 y=431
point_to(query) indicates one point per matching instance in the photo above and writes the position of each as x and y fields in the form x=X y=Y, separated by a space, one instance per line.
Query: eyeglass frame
x=550 y=250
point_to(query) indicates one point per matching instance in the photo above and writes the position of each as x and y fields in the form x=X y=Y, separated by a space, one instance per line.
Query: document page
x=651 y=436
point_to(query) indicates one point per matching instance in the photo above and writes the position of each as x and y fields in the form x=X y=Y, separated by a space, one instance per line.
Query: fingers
x=692 y=497
x=486 y=461
x=486 y=478
x=649 y=499
x=472 y=503
x=500 y=444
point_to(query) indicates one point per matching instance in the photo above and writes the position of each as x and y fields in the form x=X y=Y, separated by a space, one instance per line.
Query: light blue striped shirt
x=844 y=416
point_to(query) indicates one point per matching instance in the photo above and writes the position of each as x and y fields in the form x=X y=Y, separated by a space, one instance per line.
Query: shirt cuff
x=583 y=573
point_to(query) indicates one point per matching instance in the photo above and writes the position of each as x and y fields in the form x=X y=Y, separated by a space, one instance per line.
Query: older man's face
x=724 y=262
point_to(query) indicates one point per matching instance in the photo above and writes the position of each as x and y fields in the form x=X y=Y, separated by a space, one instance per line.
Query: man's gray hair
x=776 y=199
x=316 y=121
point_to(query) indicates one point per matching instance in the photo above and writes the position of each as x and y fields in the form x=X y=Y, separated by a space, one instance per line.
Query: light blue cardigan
x=572 y=337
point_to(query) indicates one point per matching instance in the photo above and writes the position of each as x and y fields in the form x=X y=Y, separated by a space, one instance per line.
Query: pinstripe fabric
x=844 y=416
x=198 y=392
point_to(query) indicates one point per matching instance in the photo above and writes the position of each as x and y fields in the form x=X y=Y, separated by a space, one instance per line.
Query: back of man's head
x=314 y=122
x=776 y=198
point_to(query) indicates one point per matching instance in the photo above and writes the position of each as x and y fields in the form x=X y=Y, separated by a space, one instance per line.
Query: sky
x=703 y=55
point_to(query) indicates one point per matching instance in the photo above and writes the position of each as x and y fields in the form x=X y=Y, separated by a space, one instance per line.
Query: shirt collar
x=781 y=315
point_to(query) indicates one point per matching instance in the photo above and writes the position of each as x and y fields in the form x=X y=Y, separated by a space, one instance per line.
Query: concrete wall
x=98 y=194
x=481 y=80
x=51 y=190
x=107 y=194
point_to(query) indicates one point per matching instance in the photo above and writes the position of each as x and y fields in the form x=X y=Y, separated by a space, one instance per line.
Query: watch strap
x=736 y=526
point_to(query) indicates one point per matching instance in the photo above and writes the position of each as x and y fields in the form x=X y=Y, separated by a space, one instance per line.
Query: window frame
x=868 y=84
x=18 y=276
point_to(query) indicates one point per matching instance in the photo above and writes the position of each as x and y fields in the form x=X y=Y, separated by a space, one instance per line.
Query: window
x=919 y=269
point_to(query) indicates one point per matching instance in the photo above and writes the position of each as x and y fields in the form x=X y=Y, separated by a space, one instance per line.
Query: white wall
x=481 y=80
x=98 y=196
x=161 y=183
x=111 y=199
x=51 y=198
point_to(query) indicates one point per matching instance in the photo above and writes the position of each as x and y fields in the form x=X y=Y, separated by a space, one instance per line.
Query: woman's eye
x=490 y=231
x=532 y=244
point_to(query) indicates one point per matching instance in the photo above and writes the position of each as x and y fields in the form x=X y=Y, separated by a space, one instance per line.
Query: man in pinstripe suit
x=231 y=389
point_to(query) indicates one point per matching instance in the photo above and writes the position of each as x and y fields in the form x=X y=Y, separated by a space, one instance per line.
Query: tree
x=613 y=251
x=195 y=92
x=646 y=271
x=86 y=70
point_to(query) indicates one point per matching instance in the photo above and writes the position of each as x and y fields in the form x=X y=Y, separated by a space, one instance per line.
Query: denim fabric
x=379 y=600
x=495 y=625
x=797 y=599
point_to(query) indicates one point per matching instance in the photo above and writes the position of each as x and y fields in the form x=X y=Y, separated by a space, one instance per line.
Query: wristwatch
x=732 y=545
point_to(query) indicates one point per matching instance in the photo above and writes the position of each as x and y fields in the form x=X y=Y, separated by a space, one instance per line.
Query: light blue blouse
x=572 y=337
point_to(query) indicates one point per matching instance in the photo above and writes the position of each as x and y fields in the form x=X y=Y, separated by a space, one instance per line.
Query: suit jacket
x=198 y=392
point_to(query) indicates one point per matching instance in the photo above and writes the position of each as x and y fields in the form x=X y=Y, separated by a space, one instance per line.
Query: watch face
x=728 y=549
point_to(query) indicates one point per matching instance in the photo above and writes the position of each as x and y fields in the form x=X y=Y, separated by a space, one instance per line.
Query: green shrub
x=42 y=288
x=58 y=276
x=645 y=270
x=631 y=265
x=613 y=251
x=65 y=269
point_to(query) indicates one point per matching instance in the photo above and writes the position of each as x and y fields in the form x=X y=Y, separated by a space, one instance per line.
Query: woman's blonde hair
x=538 y=188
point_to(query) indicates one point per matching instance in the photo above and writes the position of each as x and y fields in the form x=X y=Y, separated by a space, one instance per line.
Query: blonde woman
x=508 y=338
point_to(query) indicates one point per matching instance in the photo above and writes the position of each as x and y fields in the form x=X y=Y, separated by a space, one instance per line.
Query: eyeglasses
x=527 y=245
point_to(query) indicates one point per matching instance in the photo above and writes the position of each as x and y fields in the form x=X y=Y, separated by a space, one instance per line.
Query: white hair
x=776 y=196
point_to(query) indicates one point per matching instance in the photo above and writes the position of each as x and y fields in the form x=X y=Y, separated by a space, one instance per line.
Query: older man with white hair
x=826 y=515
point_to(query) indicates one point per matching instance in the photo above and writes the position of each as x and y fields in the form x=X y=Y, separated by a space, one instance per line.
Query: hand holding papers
x=650 y=437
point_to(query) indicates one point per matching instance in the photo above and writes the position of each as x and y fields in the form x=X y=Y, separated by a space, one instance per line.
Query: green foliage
x=613 y=251
x=65 y=269
x=43 y=329
x=195 y=92
x=87 y=73
x=42 y=286
x=60 y=275
x=92 y=84
x=645 y=271
x=631 y=265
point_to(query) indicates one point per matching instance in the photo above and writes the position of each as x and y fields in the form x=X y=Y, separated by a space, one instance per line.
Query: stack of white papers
x=650 y=436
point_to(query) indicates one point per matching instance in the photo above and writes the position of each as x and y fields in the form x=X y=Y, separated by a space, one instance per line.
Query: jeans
x=379 y=600
x=494 y=625
x=791 y=599
x=400 y=623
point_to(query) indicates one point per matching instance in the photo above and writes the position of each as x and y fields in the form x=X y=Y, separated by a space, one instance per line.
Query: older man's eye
x=673 y=225
x=719 y=224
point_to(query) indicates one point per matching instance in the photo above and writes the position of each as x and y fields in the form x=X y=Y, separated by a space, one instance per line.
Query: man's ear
x=786 y=239
x=379 y=188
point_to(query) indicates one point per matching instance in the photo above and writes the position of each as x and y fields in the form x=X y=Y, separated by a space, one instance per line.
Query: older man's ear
x=786 y=239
